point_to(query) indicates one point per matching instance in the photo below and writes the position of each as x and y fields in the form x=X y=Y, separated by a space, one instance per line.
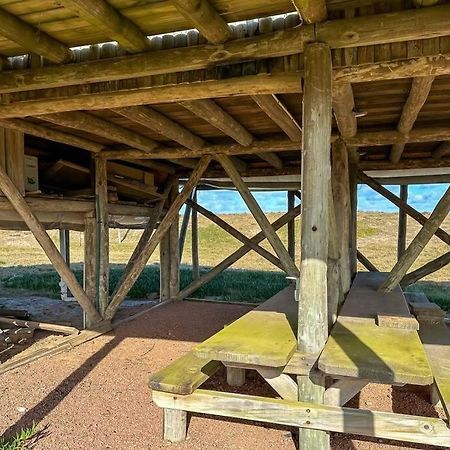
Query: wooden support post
x=235 y=376
x=291 y=225
x=174 y=258
x=164 y=268
x=316 y=167
x=194 y=238
x=101 y=194
x=258 y=214
x=353 y=244
x=15 y=158
x=64 y=248
x=23 y=209
x=175 y=425
x=418 y=243
x=89 y=266
x=402 y=222
x=140 y=259
x=183 y=229
x=340 y=181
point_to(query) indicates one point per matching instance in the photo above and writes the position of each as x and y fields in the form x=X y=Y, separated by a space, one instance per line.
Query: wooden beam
x=211 y=112
x=21 y=206
x=346 y=33
x=416 y=215
x=235 y=256
x=156 y=121
x=206 y=19
x=52 y=135
x=291 y=225
x=402 y=222
x=89 y=263
x=442 y=150
x=102 y=235
x=117 y=27
x=309 y=415
x=138 y=262
x=426 y=269
x=273 y=107
x=100 y=127
x=420 y=88
x=414 y=249
x=32 y=39
x=311 y=11
x=342 y=391
x=172 y=153
x=235 y=233
x=316 y=169
x=258 y=214
x=366 y=262
x=194 y=238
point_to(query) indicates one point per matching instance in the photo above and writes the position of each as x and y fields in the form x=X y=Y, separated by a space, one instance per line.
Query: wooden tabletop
x=264 y=336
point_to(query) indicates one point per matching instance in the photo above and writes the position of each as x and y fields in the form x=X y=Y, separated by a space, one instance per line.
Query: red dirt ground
x=96 y=396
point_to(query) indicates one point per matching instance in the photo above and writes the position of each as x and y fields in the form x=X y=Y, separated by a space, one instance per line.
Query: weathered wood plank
x=310 y=415
x=311 y=11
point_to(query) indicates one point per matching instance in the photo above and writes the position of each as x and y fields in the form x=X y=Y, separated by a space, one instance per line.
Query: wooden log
x=366 y=262
x=117 y=27
x=309 y=415
x=258 y=214
x=316 y=165
x=291 y=225
x=416 y=215
x=21 y=206
x=64 y=249
x=15 y=158
x=340 y=180
x=156 y=121
x=273 y=107
x=183 y=229
x=414 y=249
x=174 y=255
x=402 y=222
x=149 y=94
x=194 y=239
x=100 y=127
x=311 y=11
x=146 y=250
x=344 y=109
x=235 y=233
x=206 y=19
x=32 y=39
x=90 y=263
x=102 y=236
x=39 y=325
x=420 y=88
x=426 y=269
x=53 y=135
x=164 y=268
x=235 y=256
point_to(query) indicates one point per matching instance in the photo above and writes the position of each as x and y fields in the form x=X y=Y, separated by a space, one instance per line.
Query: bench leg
x=434 y=396
x=235 y=376
x=175 y=425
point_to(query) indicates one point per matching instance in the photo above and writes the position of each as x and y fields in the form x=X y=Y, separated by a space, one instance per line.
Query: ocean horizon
x=422 y=197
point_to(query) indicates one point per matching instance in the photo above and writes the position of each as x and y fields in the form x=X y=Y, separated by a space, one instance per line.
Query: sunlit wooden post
x=316 y=173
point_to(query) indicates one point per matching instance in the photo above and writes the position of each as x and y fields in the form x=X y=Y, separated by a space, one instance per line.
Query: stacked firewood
x=13 y=328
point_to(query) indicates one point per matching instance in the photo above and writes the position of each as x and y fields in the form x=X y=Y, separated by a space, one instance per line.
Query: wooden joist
x=442 y=150
x=217 y=116
x=420 y=88
x=206 y=19
x=311 y=11
x=258 y=214
x=21 y=206
x=32 y=39
x=273 y=107
x=414 y=249
x=50 y=134
x=345 y=33
x=156 y=121
x=139 y=261
x=117 y=27
x=101 y=127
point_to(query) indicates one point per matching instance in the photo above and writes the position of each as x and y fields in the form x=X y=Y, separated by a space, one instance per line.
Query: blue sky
x=421 y=197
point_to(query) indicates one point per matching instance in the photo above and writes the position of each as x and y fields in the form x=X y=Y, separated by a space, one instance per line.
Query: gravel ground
x=96 y=396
